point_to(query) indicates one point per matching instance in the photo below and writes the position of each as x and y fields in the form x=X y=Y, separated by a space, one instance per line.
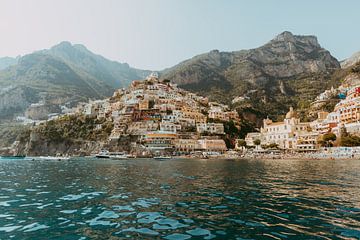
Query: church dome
x=291 y=114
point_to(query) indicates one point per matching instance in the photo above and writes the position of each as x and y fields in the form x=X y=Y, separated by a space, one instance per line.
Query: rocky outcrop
x=39 y=145
x=351 y=61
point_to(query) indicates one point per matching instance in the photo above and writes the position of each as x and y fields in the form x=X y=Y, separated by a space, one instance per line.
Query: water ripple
x=180 y=199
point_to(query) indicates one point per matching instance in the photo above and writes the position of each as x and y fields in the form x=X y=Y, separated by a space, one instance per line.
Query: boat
x=54 y=158
x=161 y=158
x=120 y=155
x=14 y=157
x=103 y=154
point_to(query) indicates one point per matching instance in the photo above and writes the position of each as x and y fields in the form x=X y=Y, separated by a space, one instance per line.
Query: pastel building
x=210 y=128
x=289 y=134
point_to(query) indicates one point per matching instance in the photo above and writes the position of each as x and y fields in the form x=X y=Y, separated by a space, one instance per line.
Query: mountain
x=112 y=73
x=355 y=58
x=288 y=70
x=64 y=74
x=7 y=61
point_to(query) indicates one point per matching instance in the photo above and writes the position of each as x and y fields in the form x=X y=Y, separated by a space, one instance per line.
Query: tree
x=231 y=129
x=327 y=139
x=273 y=146
x=343 y=132
x=350 y=141
x=257 y=142
x=241 y=143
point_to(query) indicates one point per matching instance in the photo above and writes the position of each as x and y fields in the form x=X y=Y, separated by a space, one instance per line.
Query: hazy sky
x=154 y=34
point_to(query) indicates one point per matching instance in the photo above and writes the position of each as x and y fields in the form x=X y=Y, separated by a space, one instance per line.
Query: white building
x=289 y=134
x=210 y=128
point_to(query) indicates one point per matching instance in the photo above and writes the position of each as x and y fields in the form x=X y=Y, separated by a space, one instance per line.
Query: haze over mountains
x=287 y=71
x=65 y=73
x=7 y=61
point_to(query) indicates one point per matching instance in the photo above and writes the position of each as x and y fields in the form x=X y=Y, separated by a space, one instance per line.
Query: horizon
x=135 y=32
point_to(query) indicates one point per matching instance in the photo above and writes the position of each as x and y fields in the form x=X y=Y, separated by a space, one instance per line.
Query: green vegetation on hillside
x=75 y=127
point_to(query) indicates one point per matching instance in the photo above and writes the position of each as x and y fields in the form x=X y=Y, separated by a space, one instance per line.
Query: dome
x=291 y=114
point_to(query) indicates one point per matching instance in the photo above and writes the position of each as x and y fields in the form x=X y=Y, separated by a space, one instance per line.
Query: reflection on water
x=179 y=199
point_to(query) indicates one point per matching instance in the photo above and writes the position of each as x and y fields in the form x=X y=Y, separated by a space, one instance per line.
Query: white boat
x=53 y=158
x=120 y=156
x=103 y=154
x=162 y=157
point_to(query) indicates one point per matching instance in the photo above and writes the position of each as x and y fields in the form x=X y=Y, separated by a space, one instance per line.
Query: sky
x=156 y=34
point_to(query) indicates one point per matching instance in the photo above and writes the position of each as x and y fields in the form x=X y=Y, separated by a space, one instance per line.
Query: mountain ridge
x=65 y=73
x=266 y=75
x=7 y=62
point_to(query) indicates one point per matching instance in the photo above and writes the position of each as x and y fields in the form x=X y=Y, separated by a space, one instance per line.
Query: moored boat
x=14 y=157
x=121 y=155
x=162 y=158
x=53 y=158
x=103 y=154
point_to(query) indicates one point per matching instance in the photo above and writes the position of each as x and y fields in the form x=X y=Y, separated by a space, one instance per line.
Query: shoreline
x=251 y=157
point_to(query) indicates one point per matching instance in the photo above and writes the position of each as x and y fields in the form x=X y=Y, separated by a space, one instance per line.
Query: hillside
x=355 y=58
x=7 y=61
x=64 y=74
x=134 y=119
x=113 y=73
x=288 y=71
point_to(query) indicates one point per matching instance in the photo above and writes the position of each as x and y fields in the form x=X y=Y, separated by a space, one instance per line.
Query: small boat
x=120 y=156
x=53 y=158
x=14 y=157
x=103 y=154
x=161 y=158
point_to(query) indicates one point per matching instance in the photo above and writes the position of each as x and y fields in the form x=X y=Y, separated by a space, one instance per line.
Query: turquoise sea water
x=179 y=199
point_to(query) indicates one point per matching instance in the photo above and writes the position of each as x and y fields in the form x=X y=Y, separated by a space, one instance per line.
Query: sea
x=88 y=198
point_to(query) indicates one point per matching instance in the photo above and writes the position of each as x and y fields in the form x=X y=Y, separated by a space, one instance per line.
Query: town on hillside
x=163 y=119
x=341 y=127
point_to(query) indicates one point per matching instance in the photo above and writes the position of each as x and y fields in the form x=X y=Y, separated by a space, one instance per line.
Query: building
x=159 y=140
x=289 y=134
x=186 y=145
x=348 y=110
x=251 y=137
x=142 y=127
x=212 y=145
x=218 y=113
x=305 y=141
x=190 y=113
x=210 y=128
x=170 y=127
x=144 y=104
x=283 y=133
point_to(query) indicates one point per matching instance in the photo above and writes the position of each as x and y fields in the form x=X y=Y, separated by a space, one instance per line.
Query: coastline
x=307 y=157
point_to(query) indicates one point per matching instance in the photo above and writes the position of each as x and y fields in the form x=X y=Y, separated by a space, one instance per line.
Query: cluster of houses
x=164 y=117
x=293 y=134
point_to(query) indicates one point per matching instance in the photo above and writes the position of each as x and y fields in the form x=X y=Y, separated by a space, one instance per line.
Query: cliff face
x=273 y=76
x=70 y=135
x=39 y=145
